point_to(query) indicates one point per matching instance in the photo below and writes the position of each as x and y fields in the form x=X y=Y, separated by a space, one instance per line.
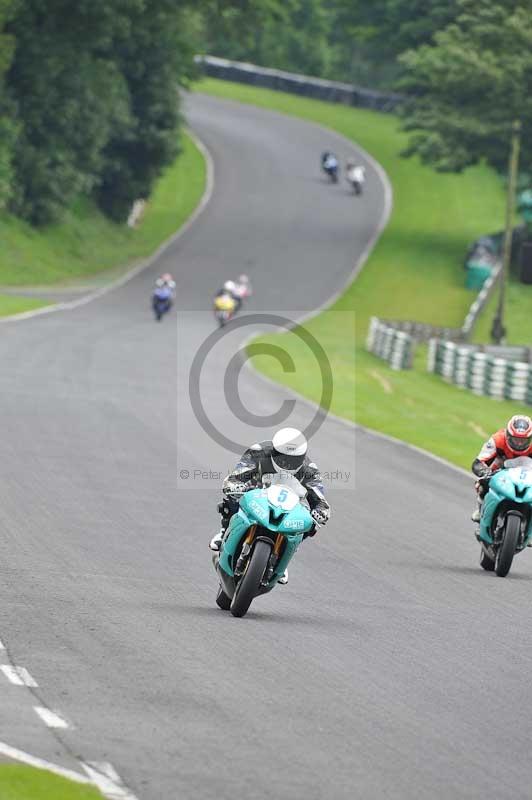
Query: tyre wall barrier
x=491 y=371
x=291 y=82
x=422 y=331
x=392 y=345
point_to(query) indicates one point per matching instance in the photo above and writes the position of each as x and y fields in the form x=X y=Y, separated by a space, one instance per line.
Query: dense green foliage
x=470 y=84
x=88 y=248
x=7 y=126
x=88 y=100
x=465 y=65
x=91 y=89
x=368 y=36
x=348 y=40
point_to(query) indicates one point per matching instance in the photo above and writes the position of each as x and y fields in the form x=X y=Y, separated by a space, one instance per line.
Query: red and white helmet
x=167 y=277
x=519 y=433
x=243 y=279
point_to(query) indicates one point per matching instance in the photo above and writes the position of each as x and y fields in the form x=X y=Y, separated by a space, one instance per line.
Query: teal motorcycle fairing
x=508 y=488
x=274 y=510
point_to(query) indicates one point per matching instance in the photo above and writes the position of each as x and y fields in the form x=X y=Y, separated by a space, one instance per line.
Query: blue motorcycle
x=330 y=166
x=261 y=539
x=506 y=518
x=161 y=301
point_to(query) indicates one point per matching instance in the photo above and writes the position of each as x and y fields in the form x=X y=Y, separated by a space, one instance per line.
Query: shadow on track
x=279 y=618
x=458 y=570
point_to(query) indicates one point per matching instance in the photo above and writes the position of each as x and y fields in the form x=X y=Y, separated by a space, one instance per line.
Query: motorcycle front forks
x=244 y=553
x=274 y=560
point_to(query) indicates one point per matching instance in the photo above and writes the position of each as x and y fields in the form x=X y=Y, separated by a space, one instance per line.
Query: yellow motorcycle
x=224 y=309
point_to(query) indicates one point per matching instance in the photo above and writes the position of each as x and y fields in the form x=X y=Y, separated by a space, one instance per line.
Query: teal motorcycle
x=506 y=518
x=261 y=539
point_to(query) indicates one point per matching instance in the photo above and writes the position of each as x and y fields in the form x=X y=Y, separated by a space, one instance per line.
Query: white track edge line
x=40 y=763
x=106 y=779
x=72 y=304
x=50 y=718
x=19 y=676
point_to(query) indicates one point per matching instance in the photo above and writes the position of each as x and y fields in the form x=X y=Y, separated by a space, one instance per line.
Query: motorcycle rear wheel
x=250 y=582
x=506 y=551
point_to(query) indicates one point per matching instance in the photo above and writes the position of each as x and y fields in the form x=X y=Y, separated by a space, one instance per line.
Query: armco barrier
x=478 y=305
x=499 y=372
x=305 y=85
x=425 y=332
x=395 y=347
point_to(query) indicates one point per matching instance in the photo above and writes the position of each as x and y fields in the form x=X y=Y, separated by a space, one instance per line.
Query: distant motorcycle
x=262 y=538
x=356 y=177
x=506 y=519
x=331 y=167
x=161 y=301
x=356 y=186
x=225 y=307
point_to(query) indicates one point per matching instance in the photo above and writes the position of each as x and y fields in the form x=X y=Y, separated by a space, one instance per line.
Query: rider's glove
x=320 y=515
x=237 y=488
x=484 y=471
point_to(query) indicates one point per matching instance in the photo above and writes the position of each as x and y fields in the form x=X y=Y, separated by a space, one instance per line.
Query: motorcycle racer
x=329 y=163
x=228 y=289
x=286 y=453
x=355 y=173
x=243 y=287
x=167 y=281
x=511 y=442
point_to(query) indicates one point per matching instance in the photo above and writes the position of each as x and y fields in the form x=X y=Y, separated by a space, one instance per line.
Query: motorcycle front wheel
x=250 y=582
x=506 y=551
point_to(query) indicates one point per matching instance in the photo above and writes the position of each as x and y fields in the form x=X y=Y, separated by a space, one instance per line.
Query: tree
x=231 y=28
x=367 y=36
x=298 y=41
x=470 y=84
x=8 y=128
x=67 y=95
x=154 y=57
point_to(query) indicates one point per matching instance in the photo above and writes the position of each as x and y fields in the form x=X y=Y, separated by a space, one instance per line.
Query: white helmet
x=230 y=286
x=289 y=450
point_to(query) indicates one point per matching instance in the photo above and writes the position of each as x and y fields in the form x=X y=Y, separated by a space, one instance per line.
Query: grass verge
x=86 y=243
x=10 y=304
x=518 y=315
x=415 y=271
x=19 y=782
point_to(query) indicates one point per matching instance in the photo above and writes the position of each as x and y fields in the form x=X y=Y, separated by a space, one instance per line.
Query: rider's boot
x=216 y=541
x=283 y=580
x=475 y=516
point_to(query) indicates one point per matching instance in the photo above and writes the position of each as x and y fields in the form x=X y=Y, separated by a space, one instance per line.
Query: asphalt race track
x=390 y=666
